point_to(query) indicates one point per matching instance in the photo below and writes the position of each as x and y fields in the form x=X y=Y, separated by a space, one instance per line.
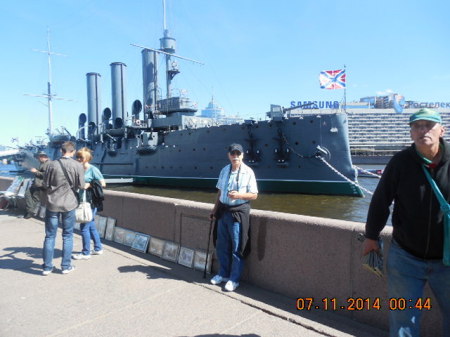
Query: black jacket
x=38 y=181
x=241 y=214
x=416 y=219
x=94 y=195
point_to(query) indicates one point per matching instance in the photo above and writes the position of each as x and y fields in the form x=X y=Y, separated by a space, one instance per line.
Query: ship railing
x=15 y=191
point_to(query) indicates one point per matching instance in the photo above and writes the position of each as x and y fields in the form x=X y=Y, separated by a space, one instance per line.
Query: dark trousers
x=32 y=199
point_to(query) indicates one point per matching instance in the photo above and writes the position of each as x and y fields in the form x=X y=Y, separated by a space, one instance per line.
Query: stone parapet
x=294 y=255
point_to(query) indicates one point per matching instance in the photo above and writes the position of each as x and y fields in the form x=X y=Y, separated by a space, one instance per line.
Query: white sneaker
x=97 y=252
x=81 y=256
x=231 y=286
x=218 y=279
x=68 y=270
x=47 y=272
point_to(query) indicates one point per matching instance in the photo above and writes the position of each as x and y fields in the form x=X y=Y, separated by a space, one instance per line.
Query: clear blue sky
x=256 y=52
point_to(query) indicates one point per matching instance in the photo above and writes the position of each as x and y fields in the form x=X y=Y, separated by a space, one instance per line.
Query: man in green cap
x=417 y=247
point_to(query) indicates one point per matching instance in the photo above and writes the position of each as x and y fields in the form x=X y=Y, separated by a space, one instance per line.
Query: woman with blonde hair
x=92 y=177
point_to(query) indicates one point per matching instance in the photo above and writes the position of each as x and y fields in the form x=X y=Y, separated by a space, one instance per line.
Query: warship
x=162 y=141
x=378 y=125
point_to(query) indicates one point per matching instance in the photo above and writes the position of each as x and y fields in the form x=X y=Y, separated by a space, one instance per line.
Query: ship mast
x=49 y=94
x=168 y=45
x=167 y=48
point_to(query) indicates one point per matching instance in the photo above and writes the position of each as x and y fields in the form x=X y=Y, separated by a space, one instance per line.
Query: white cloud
x=385 y=92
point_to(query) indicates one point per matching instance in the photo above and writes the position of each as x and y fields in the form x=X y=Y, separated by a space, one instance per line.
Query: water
x=334 y=207
x=8 y=170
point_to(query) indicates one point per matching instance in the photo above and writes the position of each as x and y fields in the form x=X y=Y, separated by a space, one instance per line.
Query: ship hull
x=287 y=156
x=276 y=186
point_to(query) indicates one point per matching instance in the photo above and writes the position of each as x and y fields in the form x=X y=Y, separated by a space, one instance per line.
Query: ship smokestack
x=150 y=81
x=105 y=118
x=93 y=99
x=118 y=72
x=82 y=126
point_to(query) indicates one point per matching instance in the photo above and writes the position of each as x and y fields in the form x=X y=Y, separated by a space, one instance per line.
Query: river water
x=334 y=207
x=7 y=170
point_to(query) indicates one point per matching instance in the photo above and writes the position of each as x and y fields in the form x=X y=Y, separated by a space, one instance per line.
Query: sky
x=254 y=53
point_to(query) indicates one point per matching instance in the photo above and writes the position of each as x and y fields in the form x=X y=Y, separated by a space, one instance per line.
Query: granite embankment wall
x=297 y=256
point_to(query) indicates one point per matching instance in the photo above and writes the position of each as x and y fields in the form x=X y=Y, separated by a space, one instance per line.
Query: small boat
x=370 y=173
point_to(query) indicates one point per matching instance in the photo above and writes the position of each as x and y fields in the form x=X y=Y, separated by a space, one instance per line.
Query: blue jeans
x=51 y=228
x=228 y=246
x=407 y=276
x=88 y=232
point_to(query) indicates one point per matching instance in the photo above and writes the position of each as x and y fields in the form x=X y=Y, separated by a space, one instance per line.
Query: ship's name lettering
x=316 y=104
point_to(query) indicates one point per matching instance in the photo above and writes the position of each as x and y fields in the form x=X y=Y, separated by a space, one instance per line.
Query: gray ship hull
x=287 y=155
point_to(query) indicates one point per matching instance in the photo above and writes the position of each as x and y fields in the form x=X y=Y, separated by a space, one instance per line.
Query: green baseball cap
x=425 y=115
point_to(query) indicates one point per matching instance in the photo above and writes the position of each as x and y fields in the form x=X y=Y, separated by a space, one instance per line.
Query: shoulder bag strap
x=445 y=207
x=67 y=177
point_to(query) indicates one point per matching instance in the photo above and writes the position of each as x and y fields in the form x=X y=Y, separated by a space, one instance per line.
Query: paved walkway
x=127 y=293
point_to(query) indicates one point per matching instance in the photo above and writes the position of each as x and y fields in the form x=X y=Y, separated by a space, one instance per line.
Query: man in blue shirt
x=237 y=186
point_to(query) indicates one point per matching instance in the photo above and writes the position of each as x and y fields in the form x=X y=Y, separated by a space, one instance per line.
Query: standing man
x=33 y=196
x=237 y=186
x=62 y=179
x=415 y=257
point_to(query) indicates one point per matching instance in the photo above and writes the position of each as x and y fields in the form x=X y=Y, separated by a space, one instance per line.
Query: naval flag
x=332 y=79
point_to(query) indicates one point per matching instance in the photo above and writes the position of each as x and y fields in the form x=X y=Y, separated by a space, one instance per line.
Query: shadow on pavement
x=220 y=335
x=14 y=260
x=152 y=272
